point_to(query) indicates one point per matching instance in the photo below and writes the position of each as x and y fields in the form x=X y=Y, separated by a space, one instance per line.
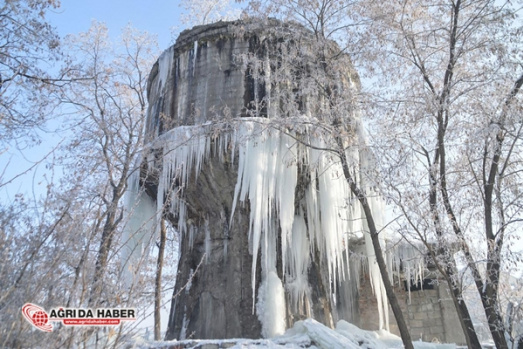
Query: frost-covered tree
x=29 y=48
x=201 y=12
x=451 y=96
x=31 y=248
x=65 y=249
x=207 y=11
x=110 y=102
x=441 y=84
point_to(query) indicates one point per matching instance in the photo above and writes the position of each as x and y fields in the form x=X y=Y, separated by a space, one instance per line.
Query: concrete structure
x=211 y=77
x=428 y=309
x=217 y=73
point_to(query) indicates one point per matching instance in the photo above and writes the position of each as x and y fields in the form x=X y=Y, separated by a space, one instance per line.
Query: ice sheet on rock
x=164 y=67
x=158 y=87
x=365 y=339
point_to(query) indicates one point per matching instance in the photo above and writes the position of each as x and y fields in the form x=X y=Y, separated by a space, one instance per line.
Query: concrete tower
x=238 y=118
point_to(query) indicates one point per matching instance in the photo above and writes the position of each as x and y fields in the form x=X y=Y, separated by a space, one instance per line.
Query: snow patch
x=304 y=334
x=323 y=336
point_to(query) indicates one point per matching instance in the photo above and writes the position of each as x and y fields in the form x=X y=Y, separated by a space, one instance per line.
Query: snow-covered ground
x=304 y=334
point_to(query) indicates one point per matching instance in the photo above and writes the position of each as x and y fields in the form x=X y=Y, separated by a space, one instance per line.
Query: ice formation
x=409 y=261
x=273 y=165
x=271 y=306
x=141 y=222
x=305 y=334
x=269 y=164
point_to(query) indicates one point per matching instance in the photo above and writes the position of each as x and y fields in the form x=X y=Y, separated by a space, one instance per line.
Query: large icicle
x=269 y=165
x=298 y=264
x=139 y=230
x=267 y=176
x=408 y=262
x=184 y=150
x=271 y=306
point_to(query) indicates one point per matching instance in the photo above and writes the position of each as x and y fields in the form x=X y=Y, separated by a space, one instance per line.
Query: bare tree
x=39 y=242
x=29 y=46
x=68 y=243
x=112 y=104
x=442 y=89
x=449 y=95
x=207 y=11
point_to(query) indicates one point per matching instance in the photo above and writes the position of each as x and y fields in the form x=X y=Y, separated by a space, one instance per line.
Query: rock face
x=213 y=76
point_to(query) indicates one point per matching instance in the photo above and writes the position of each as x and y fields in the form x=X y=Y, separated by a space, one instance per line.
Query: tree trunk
x=389 y=289
x=106 y=241
x=101 y=259
x=158 y=282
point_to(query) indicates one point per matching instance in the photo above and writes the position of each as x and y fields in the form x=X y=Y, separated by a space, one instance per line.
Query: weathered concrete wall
x=217 y=302
x=203 y=78
x=430 y=313
x=195 y=81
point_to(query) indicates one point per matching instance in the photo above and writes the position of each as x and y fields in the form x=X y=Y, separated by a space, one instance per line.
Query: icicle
x=297 y=282
x=408 y=260
x=185 y=323
x=271 y=306
x=139 y=230
x=194 y=55
x=164 y=67
x=184 y=150
x=268 y=178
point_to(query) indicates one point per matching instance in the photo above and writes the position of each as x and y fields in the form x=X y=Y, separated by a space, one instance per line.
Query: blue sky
x=158 y=17
x=155 y=16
